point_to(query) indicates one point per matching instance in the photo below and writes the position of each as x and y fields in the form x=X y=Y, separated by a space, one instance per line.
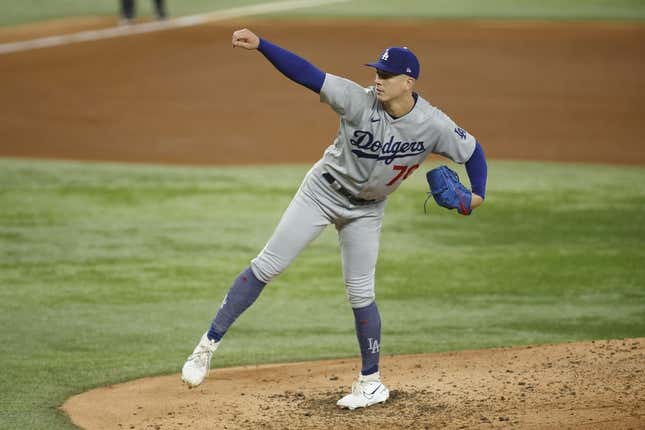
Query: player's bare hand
x=476 y=201
x=246 y=39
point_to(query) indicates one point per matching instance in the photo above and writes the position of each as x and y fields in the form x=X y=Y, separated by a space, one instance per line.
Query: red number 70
x=404 y=172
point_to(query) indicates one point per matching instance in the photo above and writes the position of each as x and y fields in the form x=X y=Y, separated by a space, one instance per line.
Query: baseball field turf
x=106 y=269
x=33 y=10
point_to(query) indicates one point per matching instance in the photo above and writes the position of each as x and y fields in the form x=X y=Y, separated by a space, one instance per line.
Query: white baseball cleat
x=198 y=363
x=366 y=391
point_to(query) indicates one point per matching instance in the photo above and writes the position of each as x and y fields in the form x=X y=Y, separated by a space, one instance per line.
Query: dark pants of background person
x=127 y=9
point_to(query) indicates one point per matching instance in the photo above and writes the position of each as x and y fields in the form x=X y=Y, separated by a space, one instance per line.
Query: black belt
x=345 y=192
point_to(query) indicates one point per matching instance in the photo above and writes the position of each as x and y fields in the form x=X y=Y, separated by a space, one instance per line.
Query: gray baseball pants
x=315 y=206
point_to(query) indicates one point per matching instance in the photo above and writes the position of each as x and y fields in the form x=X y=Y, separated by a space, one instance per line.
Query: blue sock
x=368 y=332
x=241 y=295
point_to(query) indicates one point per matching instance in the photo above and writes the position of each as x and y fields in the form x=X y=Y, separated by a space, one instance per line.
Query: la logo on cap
x=385 y=55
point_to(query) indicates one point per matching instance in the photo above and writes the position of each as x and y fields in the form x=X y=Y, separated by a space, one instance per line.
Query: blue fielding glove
x=448 y=191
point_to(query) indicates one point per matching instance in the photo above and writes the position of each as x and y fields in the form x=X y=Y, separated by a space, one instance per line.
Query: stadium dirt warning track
x=552 y=91
x=548 y=91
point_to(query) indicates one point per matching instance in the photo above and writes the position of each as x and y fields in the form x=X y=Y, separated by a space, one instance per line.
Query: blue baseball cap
x=399 y=61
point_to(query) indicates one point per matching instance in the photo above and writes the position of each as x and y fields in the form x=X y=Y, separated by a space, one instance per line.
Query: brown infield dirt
x=585 y=385
x=547 y=91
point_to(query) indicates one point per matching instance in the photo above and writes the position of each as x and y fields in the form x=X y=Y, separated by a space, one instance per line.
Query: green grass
x=19 y=12
x=496 y=9
x=111 y=272
x=16 y=12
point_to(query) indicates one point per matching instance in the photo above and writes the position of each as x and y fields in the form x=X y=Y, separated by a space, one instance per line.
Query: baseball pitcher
x=386 y=131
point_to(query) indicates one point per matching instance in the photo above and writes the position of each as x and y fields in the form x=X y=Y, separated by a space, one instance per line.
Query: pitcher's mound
x=585 y=385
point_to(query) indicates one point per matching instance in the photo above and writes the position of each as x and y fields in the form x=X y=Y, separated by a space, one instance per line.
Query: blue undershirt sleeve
x=477 y=171
x=292 y=66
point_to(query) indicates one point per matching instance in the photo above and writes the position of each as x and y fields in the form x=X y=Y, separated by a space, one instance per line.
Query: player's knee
x=360 y=291
x=267 y=267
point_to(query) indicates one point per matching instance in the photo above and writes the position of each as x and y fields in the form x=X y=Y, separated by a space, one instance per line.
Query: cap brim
x=383 y=67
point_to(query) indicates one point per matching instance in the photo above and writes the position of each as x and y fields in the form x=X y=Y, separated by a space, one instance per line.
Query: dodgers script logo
x=388 y=151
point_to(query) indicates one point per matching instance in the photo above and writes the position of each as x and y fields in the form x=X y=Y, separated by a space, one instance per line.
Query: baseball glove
x=448 y=191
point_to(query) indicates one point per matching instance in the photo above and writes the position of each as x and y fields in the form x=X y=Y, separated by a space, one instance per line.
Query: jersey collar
x=415 y=96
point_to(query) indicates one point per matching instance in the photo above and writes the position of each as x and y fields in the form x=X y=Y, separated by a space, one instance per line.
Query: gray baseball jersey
x=373 y=152
x=370 y=156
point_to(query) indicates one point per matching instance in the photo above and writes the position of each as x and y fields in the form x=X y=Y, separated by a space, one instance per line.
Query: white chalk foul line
x=149 y=27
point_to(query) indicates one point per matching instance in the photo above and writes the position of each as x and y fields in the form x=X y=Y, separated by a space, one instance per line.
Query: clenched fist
x=246 y=39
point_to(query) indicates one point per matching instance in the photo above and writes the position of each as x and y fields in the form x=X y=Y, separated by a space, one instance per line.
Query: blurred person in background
x=128 y=10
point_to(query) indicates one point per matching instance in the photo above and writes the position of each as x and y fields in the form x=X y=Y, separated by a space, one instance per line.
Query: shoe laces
x=359 y=387
x=356 y=387
x=202 y=355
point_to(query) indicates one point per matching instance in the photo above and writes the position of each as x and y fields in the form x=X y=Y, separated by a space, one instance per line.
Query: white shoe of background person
x=366 y=391
x=199 y=362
